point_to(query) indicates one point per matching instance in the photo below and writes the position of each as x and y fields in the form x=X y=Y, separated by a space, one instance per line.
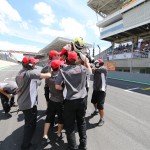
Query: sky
x=30 y=25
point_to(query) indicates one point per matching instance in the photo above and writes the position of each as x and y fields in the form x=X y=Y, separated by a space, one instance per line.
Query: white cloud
x=7 y=11
x=51 y=32
x=13 y=24
x=3 y=27
x=72 y=28
x=5 y=45
x=69 y=28
x=79 y=7
x=10 y=19
x=24 y=25
x=92 y=25
x=46 y=12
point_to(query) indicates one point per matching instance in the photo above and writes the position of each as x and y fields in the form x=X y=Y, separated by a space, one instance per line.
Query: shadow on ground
x=13 y=141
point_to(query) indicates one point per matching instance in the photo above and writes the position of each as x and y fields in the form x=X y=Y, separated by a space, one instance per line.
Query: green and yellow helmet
x=79 y=43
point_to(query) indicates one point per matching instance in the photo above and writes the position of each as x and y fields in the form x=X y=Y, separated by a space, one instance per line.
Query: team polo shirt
x=99 y=82
x=9 y=87
x=46 y=69
x=27 y=81
x=56 y=95
x=75 y=81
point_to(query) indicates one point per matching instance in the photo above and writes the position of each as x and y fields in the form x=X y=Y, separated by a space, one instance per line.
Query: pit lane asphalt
x=127 y=121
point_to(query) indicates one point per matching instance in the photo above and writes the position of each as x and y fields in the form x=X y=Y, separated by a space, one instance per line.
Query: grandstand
x=126 y=24
x=56 y=44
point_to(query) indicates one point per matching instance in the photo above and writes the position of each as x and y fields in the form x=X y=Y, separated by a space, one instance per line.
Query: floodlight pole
x=99 y=50
x=112 y=50
x=93 y=49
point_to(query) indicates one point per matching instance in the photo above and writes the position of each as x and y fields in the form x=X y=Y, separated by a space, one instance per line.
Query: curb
x=129 y=80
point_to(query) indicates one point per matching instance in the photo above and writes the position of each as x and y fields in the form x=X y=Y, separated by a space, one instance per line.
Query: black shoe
x=101 y=122
x=58 y=138
x=94 y=113
x=12 y=103
x=44 y=142
x=80 y=147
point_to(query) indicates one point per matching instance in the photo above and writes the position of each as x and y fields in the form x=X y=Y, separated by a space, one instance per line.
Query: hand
x=10 y=96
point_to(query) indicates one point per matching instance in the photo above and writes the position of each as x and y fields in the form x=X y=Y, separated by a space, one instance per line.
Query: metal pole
x=131 y=56
x=99 y=50
x=112 y=50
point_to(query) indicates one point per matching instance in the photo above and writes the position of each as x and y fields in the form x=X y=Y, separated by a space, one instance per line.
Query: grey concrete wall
x=136 y=62
x=131 y=77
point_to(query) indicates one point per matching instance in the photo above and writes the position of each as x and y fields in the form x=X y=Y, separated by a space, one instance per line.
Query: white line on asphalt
x=128 y=91
x=6 y=79
x=132 y=89
x=129 y=115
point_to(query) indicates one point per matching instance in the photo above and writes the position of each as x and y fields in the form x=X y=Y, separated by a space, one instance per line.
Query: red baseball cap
x=63 y=51
x=29 y=59
x=72 y=55
x=56 y=63
x=53 y=53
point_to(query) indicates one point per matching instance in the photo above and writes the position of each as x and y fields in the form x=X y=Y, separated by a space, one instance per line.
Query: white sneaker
x=101 y=122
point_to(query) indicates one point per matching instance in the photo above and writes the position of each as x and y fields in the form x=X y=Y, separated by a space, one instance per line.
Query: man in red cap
x=99 y=89
x=53 y=54
x=74 y=90
x=55 y=104
x=27 y=81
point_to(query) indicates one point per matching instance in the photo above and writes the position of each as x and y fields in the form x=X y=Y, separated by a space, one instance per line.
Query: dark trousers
x=5 y=102
x=30 y=116
x=46 y=93
x=74 y=110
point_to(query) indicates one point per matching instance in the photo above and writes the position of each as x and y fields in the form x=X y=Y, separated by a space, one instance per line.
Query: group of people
x=66 y=77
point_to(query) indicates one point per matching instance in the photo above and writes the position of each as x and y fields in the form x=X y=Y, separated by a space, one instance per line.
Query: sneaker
x=101 y=122
x=58 y=138
x=44 y=141
x=94 y=113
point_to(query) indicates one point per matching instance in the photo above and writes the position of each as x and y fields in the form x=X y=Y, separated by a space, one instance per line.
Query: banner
x=128 y=2
x=110 y=66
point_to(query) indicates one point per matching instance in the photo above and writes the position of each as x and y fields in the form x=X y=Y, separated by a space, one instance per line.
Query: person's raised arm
x=45 y=75
x=87 y=65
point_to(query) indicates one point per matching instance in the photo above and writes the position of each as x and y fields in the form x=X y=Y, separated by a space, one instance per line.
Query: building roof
x=104 y=7
x=142 y=31
x=58 y=44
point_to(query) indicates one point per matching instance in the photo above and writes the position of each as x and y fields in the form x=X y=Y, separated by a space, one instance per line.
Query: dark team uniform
x=27 y=81
x=99 y=87
x=75 y=93
x=55 y=104
x=10 y=87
